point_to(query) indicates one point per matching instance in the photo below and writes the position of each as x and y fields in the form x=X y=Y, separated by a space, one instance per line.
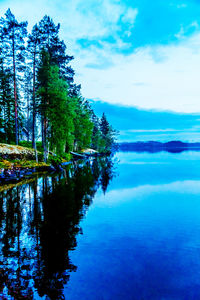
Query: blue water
x=141 y=239
x=106 y=229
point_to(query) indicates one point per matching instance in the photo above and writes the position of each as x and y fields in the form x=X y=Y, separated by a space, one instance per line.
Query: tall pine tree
x=14 y=38
x=7 y=106
x=33 y=49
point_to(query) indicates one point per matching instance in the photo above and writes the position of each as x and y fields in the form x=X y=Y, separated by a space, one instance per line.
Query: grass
x=9 y=164
x=23 y=156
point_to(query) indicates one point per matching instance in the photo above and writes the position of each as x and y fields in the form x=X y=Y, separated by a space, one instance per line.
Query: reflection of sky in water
x=114 y=197
x=136 y=169
x=141 y=240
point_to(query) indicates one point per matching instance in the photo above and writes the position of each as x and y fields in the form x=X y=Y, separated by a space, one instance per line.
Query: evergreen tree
x=96 y=141
x=83 y=124
x=34 y=44
x=7 y=106
x=61 y=112
x=104 y=125
x=43 y=80
x=49 y=33
x=14 y=34
x=28 y=102
x=108 y=134
x=37 y=88
x=56 y=108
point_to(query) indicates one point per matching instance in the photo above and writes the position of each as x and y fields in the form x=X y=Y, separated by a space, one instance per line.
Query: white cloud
x=170 y=77
x=130 y=15
x=79 y=19
x=114 y=197
x=169 y=74
x=183 y=30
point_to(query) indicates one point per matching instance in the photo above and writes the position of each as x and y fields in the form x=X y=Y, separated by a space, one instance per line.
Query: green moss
x=67 y=156
x=8 y=164
x=11 y=185
x=29 y=145
x=23 y=157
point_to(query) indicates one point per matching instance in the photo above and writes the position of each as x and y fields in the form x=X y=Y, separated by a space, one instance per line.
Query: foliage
x=7 y=106
x=55 y=160
x=83 y=124
x=29 y=145
x=13 y=36
x=5 y=164
x=67 y=156
x=8 y=164
x=39 y=100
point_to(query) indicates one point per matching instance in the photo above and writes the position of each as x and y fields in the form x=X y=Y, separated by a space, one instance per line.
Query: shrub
x=67 y=156
x=55 y=160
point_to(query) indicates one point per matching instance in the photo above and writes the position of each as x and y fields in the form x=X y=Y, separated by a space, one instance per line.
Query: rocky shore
x=17 y=163
x=16 y=174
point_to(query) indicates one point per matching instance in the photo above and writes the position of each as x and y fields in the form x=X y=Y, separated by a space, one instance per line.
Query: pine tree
x=104 y=125
x=14 y=34
x=38 y=85
x=7 y=106
x=96 y=133
x=83 y=124
x=56 y=48
x=28 y=101
x=108 y=134
x=56 y=108
x=43 y=80
x=61 y=112
x=33 y=48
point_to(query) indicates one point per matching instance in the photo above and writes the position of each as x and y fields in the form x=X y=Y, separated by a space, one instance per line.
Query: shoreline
x=17 y=162
x=14 y=175
x=15 y=171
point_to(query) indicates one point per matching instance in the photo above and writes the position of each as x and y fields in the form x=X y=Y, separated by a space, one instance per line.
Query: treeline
x=39 y=99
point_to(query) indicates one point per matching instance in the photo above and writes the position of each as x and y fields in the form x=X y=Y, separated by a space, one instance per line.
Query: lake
x=126 y=227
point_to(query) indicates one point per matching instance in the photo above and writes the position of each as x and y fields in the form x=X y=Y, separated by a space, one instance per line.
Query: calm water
x=120 y=228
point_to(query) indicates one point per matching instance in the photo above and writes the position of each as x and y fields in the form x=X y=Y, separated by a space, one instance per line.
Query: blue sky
x=136 y=124
x=136 y=53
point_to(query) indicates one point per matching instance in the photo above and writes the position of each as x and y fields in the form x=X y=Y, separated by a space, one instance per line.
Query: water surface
x=120 y=228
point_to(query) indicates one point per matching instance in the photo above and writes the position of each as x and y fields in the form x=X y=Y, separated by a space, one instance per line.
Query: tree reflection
x=106 y=172
x=39 y=223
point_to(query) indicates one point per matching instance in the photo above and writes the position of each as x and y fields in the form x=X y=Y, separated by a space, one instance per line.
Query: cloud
x=101 y=65
x=136 y=124
x=114 y=197
x=130 y=16
x=83 y=21
x=168 y=83
x=183 y=5
x=118 y=44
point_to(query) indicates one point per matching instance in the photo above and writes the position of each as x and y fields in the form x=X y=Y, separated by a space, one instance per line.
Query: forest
x=40 y=103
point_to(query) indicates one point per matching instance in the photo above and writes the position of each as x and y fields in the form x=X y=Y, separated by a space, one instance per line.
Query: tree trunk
x=45 y=139
x=15 y=94
x=28 y=114
x=34 y=110
x=42 y=130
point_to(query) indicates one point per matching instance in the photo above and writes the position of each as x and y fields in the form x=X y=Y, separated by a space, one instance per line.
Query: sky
x=134 y=124
x=129 y=52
